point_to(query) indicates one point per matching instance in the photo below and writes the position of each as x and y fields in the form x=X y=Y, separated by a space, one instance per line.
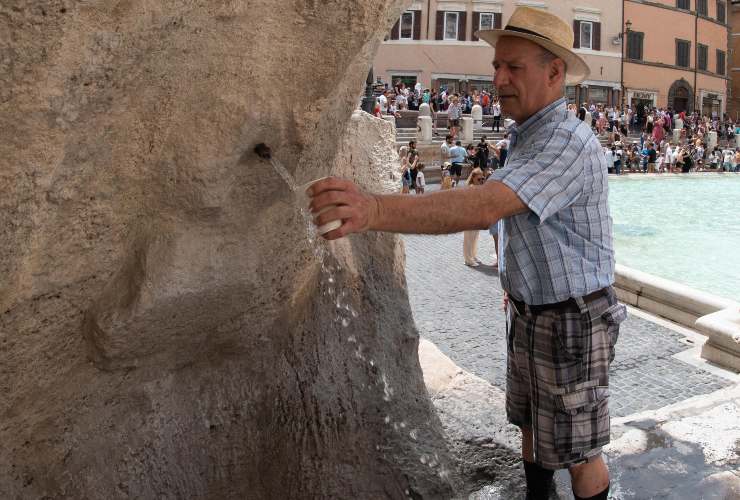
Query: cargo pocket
x=581 y=418
x=613 y=317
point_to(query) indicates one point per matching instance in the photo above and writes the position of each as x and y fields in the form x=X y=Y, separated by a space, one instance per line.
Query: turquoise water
x=683 y=228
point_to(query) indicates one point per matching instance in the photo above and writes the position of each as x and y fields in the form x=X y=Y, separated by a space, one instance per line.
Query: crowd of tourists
x=402 y=97
x=645 y=142
x=641 y=141
x=486 y=156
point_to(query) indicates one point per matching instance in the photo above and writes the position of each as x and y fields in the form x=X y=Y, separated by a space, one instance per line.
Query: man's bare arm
x=442 y=212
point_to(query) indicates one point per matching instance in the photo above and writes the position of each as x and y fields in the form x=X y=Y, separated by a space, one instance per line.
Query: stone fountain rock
x=166 y=331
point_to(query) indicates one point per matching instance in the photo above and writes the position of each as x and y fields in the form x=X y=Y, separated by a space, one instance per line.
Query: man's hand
x=342 y=200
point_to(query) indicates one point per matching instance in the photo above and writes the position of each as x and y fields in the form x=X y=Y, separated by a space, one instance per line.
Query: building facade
x=676 y=54
x=733 y=101
x=434 y=43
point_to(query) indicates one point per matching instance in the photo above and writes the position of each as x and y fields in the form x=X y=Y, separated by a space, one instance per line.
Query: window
x=702 y=56
x=720 y=62
x=634 y=45
x=683 y=53
x=683 y=4
x=450 y=26
x=585 y=35
x=487 y=21
x=721 y=12
x=701 y=7
x=570 y=94
x=407 y=25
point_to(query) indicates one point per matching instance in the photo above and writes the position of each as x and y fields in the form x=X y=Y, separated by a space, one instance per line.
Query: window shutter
x=417 y=25
x=576 y=34
x=395 y=31
x=596 y=37
x=497 y=21
x=476 y=25
x=461 y=25
x=678 y=53
x=440 y=26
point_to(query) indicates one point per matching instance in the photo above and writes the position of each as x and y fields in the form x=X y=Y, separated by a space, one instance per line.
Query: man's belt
x=557 y=306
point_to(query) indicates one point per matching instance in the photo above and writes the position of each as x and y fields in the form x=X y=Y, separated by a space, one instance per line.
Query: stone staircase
x=404 y=135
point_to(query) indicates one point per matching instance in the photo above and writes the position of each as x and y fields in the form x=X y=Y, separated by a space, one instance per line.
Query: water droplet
x=330 y=279
x=352 y=339
x=403 y=425
x=387 y=419
x=423 y=459
x=414 y=434
x=345 y=322
x=353 y=312
x=372 y=362
x=330 y=291
x=377 y=447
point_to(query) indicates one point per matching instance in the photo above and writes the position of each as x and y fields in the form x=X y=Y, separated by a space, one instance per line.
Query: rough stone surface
x=485 y=446
x=165 y=330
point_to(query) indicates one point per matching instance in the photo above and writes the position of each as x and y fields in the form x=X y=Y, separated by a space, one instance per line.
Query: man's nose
x=500 y=77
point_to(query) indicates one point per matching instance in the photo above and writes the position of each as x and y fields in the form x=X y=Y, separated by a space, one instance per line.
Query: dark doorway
x=680 y=96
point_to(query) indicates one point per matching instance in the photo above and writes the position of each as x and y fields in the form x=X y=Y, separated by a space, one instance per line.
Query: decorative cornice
x=683 y=11
x=673 y=66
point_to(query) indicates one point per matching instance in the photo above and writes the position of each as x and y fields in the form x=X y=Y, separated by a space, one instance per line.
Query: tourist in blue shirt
x=556 y=255
x=457 y=158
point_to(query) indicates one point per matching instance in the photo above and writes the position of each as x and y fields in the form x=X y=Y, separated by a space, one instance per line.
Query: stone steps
x=404 y=135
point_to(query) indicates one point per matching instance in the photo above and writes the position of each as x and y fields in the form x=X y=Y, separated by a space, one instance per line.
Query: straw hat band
x=509 y=27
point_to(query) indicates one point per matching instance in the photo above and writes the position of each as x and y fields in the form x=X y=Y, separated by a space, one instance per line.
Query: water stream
x=346 y=313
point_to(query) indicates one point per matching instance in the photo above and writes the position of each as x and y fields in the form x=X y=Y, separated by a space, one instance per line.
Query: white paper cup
x=329 y=226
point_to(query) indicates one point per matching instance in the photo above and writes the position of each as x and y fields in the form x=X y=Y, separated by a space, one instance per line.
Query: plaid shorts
x=557 y=377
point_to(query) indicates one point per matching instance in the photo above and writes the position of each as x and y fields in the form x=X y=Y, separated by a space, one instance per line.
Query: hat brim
x=576 y=68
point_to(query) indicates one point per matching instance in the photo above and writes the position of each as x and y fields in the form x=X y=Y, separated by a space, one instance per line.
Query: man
x=582 y=112
x=383 y=101
x=609 y=155
x=458 y=155
x=652 y=157
x=556 y=258
x=445 y=150
x=413 y=161
x=454 y=113
x=502 y=148
x=496 y=111
x=481 y=155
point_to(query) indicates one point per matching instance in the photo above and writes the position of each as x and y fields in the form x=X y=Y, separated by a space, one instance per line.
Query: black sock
x=599 y=496
x=539 y=481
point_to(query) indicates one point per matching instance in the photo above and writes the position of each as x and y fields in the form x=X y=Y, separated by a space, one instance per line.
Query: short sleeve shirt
x=562 y=247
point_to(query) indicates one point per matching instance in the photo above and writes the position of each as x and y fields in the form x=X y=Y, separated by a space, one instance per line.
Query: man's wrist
x=374 y=212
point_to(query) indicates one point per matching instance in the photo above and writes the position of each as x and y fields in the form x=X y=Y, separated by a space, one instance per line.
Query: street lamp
x=625 y=36
x=368 y=101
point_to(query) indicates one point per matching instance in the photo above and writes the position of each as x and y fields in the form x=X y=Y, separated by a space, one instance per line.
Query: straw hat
x=546 y=30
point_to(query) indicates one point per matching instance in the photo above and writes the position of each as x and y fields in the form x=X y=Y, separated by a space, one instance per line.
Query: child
x=446 y=178
x=420 y=182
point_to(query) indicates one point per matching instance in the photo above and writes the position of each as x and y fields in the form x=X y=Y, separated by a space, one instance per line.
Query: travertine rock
x=166 y=330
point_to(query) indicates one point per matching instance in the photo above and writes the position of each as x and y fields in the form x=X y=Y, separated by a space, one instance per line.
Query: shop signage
x=642 y=95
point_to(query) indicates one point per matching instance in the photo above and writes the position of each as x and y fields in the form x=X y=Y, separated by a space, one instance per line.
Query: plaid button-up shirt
x=562 y=247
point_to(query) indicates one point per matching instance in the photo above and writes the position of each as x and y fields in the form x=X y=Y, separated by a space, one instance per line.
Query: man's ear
x=557 y=71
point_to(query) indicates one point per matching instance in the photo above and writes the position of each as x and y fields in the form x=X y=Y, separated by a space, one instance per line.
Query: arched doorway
x=681 y=96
